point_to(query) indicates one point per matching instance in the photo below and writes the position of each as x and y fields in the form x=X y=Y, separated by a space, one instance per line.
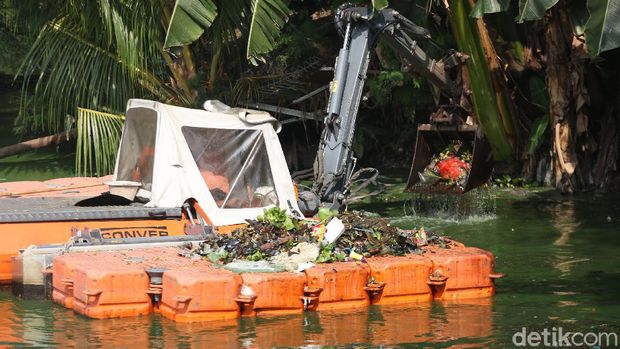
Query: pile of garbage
x=368 y=236
x=450 y=167
x=292 y=243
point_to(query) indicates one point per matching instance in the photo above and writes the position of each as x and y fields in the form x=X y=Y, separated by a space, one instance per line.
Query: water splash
x=472 y=207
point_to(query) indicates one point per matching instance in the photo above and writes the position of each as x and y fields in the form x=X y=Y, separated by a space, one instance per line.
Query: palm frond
x=71 y=71
x=96 y=55
x=98 y=137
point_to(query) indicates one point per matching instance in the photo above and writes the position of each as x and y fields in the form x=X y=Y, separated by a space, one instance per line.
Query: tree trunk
x=568 y=100
x=36 y=143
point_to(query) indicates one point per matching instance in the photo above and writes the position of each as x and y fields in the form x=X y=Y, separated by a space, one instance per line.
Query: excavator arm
x=361 y=28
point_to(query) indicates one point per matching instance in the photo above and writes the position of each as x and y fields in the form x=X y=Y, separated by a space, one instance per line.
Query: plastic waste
x=333 y=230
x=304 y=252
x=318 y=232
x=252 y=267
x=421 y=238
x=247 y=291
x=356 y=256
x=303 y=266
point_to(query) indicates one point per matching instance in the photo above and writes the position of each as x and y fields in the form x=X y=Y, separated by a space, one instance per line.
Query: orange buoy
x=62 y=280
x=276 y=293
x=337 y=285
x=399 y=279
x=107 y=284
x=135 y=282
x=461 y=272
x=202 y=293
x=111 y=288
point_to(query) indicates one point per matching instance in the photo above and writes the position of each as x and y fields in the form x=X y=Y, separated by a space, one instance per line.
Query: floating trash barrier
x=303 y=266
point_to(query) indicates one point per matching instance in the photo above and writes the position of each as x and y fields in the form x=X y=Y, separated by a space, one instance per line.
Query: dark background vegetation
x=545 y=72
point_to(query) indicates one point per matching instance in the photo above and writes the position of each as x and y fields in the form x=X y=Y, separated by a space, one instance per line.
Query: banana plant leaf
x=530 y=10
x=491 y=102
x=483 y=7
x=264 y=18
x=602 y=28
x=268 y=18
x=538 y=131
x=189 y=20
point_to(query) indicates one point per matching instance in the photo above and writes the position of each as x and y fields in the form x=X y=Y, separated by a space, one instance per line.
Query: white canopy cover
x=229 y=160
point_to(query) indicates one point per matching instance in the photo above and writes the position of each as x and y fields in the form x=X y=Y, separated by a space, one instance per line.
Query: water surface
x=560 y=254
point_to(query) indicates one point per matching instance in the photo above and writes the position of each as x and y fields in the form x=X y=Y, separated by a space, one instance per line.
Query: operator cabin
x=227 y=159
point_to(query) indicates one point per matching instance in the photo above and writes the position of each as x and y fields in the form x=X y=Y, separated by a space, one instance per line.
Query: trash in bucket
x=449 y=159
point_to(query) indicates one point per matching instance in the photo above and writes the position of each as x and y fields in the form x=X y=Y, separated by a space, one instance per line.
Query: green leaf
x=538 y=131
x=530 y=10
x=379 y=4
x=289 y=224
x=483 y=7
x=189 y=20
x=325 y=214
x=602 y=29
x=326 y=254
x=256 y=256
x=268 y=18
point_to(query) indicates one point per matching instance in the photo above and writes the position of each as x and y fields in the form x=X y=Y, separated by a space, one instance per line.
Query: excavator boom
x=361 y=28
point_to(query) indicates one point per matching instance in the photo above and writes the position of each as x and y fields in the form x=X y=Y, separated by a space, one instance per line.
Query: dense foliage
x=543 y=74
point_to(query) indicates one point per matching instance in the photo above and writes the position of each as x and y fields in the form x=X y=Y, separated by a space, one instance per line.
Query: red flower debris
x=452 y=168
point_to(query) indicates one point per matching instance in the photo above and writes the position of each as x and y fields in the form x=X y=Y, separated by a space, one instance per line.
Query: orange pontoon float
x=108 y=284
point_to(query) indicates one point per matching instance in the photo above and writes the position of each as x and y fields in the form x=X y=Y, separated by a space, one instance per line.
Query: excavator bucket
x=432 y=140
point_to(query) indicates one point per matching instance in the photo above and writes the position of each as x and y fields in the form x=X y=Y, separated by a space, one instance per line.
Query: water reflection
x=564 y=220
x=8 y=325
x=457 y=325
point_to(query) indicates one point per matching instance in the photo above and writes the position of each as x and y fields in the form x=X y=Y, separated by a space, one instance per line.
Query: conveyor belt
x=14 y=210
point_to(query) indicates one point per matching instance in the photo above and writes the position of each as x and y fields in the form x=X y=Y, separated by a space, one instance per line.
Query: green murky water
x=560 y=254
